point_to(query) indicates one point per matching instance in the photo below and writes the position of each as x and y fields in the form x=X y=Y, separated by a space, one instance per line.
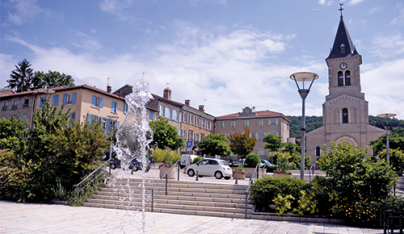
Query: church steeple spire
x=343 y=46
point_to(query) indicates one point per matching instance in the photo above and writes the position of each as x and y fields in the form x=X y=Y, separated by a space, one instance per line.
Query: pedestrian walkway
x=44 y=218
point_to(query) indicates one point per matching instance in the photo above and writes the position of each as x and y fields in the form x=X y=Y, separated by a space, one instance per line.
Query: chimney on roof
x=187 y=102
x=167 y=93
x=202 y=108
x=109 y=89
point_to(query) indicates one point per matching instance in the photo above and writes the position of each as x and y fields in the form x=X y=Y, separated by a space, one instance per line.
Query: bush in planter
x=252 y=160
x=167 y=157
x=197 y=159
x=266 y=189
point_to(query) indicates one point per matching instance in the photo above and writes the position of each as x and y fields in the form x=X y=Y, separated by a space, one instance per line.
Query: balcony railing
x=14 y=107
x=25 y=105
x=4 y=108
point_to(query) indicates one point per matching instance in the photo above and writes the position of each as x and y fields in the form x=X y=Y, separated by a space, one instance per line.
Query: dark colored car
x=136 y=164
x=115 y=163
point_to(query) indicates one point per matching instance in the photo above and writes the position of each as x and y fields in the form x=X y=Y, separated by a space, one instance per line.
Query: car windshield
x=224 y=163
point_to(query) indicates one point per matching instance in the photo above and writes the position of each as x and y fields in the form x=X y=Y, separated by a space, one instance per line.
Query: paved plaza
x=44 y=218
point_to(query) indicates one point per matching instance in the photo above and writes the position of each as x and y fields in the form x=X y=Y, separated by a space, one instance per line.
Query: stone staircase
x=183 y=197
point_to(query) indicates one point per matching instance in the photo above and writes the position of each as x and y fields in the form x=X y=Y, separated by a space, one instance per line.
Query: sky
x=223 y=54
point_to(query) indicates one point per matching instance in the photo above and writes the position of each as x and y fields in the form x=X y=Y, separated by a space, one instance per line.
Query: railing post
x=401 y=224
x=178 y=178
x=197 y=176
x=166 y=182
x=258 y=171
x=236 y=177
x=152 y=196
x=77 y=193
x=246 y=197
x=109 y=167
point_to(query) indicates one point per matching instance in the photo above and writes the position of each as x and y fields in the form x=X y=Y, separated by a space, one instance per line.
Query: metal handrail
x=311 y=169
x=165 y=175
x=95 y=177
x=247 y=192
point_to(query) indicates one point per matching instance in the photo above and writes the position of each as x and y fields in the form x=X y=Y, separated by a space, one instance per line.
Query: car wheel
x=227 y=178
x=113 y=166
x=218 y=175
x=191 y=173
x=135 y=168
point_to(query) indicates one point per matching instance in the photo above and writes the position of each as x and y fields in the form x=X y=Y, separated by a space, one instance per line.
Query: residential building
x=260 y=123
x=345 y=111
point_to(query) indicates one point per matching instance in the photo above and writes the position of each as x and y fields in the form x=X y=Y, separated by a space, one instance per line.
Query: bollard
x=197 y=176
x=236 y=178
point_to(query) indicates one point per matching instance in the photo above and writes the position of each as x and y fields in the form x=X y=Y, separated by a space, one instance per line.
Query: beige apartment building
x=86 y=103
x=260 y=123
x=345 y=110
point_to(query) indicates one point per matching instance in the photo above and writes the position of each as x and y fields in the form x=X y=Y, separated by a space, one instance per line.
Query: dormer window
x=342 y=49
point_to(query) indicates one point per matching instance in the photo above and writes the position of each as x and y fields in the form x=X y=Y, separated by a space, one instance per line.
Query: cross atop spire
x=340 y=8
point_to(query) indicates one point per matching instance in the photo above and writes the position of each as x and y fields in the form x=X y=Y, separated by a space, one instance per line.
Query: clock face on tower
x=343 y=66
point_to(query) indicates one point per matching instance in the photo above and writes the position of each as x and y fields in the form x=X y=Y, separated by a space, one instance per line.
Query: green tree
x=12 y=134
x=52 y=79
x=215 y=144
x=165 y=135
x=21 y=77
x=395 y=142
x=396 y=158
x=355 y=181
x=272 y=142
x=241 y=143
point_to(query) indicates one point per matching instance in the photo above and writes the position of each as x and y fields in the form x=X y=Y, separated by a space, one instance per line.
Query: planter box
x=249 y=171
x=240 y=175
x=170 y=175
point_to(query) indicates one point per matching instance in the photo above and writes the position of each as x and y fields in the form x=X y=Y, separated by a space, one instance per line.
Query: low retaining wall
x=249 y=171
x=294 y=218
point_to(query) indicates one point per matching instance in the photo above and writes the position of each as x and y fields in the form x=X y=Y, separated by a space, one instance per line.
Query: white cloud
x=25 y=10
x=354 y=2
x=84 y=41
x=399 y=20
x=388 y=46
x=324 y=2
x=375 y=9
x=116 y=7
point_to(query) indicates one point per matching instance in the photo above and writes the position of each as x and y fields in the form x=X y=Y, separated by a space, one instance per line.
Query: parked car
x=115 y=163
x=136 y=164
x=210 y=167
x=186 y=159
x=266 y=163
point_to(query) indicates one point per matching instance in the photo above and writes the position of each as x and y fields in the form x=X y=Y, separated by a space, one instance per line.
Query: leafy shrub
x=283 y=204
x=59 y=191
x=165 y=156
x=87 y=192
x=266 y=189
x=197 y=159
x=252 y=160
x=307 y=203
x=396 y=158
x=355 y=181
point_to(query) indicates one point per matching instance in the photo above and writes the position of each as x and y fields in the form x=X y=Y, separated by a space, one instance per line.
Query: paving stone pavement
x=44 y=218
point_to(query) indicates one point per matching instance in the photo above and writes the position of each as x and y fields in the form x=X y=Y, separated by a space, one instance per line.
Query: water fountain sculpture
x=133 y=138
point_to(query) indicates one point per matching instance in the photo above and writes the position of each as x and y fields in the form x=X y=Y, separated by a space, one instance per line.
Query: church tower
x=345 y=111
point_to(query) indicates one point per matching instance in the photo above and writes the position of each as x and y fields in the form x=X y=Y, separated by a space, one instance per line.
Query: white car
x=210 y=167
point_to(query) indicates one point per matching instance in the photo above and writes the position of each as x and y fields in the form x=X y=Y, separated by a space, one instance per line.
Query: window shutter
x=89 y=118
x=125 y=107
x=55 y=100
x=256 y=135
x=99 y=119
x=276 y=122
x=73 y=116
x=64 y=99
x=43 y=100
x=101 y=104
x=94 y=103
x=108 y=125
x=74 y=98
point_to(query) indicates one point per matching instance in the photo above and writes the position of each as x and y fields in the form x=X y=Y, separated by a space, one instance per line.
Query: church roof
x=342 y=38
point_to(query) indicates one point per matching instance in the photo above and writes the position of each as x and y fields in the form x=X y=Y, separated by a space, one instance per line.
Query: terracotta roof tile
x=259 y=113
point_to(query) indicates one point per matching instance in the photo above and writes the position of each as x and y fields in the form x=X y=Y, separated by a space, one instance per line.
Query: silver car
x=210 y=167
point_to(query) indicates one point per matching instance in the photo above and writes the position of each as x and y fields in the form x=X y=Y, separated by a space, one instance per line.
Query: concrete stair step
x=174 y=189
x=181 y=184
x=214 y=195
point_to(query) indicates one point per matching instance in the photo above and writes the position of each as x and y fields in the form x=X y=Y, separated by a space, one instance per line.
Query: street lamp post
x=387 y=124
x=303 y=77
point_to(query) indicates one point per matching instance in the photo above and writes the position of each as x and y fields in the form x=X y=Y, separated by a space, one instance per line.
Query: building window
x=260 y=122
x=272 y=121
x=345 y=115
x=347 y=78
x=191 y=119
x=247 y=123
x=340 y=79
x=125 y=107
x=222 y=124
x=166 y=112
x=318 y=151
x=114 y=107
x=151 y=115
x=174 y=115
x=5 y=103
x=98 y=101
x=202 y=136
x=342 y=49
x=184 y=134
x=190 y=135
x=233 y=123
x=26 y=103
x=180 y=116
x=185 y=118
x=42 y=101
x=15 y=105
x=197 y=137
x=69 y=98
x=202 y=124
x=55 y=101
x=161 y=110
x=209 y=124
x=197 y=121
x=260 y=136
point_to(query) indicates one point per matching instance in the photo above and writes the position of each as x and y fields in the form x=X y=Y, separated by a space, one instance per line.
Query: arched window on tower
x=318 y=151
x=344 y=115
x=342 y=49
x=340 y=79
x=347 y=78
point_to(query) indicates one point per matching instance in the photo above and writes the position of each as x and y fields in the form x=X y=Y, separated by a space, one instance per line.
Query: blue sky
x=225 y=55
